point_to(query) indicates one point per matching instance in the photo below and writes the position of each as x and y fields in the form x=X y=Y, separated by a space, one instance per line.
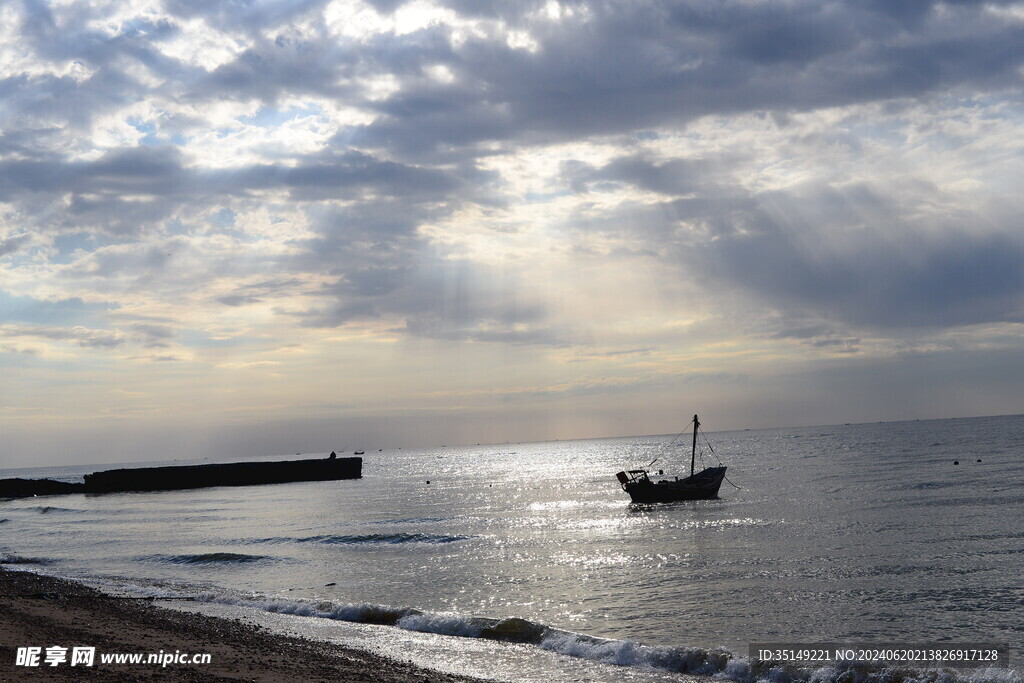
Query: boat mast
x=693 y=453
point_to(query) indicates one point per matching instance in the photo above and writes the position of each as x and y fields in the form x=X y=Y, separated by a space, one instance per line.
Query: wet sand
x=41 y=611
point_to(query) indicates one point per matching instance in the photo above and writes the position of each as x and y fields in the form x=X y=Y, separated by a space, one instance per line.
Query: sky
x=276 y=226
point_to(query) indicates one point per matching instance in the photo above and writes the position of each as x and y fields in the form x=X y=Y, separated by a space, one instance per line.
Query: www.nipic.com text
x=57 y=655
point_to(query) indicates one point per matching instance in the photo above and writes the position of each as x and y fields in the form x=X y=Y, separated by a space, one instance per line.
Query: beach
x=41 y=611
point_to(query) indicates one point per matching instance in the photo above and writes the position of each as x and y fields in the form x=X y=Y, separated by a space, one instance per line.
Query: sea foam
x=718 y=663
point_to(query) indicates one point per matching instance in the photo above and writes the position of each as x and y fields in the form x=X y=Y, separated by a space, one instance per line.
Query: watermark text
x=58 y=655
x=957 y=655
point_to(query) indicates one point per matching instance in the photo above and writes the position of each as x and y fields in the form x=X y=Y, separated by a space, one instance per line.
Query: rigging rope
x=710 y=447
x=719 y=461
x=671 y=443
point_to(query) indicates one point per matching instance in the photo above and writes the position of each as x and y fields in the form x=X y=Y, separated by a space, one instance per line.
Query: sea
x=527 y=562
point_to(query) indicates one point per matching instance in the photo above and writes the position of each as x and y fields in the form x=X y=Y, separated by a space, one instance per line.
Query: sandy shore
x=43 y=612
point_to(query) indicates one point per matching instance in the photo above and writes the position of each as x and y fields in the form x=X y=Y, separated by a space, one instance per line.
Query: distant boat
x=699 y=486
x=358 y=452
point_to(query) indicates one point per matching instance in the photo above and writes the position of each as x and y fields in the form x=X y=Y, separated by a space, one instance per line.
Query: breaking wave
x=719 y=663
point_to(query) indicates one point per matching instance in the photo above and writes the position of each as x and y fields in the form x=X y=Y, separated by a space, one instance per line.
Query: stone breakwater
x=190 y=477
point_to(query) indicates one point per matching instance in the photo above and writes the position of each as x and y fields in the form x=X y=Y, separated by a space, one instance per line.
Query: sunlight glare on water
x=845 y=532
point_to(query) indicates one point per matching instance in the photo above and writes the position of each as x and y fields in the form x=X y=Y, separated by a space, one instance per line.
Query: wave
x=928 y=485
x=361 y=539
x=10 y=558
x=719 y=663
x=355 y=539
x=209 y=558
x=415 y=520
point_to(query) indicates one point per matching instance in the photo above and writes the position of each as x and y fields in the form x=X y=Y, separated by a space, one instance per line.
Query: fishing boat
x=698 y=486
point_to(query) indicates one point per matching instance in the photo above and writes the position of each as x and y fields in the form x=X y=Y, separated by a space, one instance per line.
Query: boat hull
x=700 y=486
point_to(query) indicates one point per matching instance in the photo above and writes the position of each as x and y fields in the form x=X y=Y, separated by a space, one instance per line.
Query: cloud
x=617 y=67
x=852 y=258
x=902 y=256
x=672 y=177
x=13 y=244
x=250 y=364
x=30 y=310
x=152 y=335
x=586 y=185
x=81 y=336
x=259 y=291
x=336 y=177
x=432 y=298
x=587 y=385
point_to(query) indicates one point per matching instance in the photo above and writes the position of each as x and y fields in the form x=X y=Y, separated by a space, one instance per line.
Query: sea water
x=527 y=562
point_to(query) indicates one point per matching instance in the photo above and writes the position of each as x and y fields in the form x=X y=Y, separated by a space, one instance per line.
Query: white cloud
x=495 y=199
x=200 y=45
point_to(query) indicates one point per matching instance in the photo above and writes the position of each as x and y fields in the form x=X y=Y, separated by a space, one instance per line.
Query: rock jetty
x=190 y=477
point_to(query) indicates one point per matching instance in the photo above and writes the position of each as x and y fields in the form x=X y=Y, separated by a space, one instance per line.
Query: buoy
x=979 y=459
x=956 y=462
x=428 y=481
